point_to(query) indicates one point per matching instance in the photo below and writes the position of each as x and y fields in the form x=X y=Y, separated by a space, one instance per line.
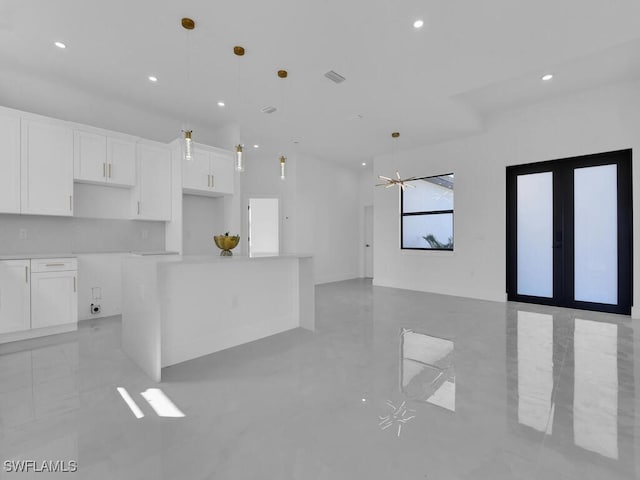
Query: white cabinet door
x=222 y=170
x=54 y=299
x=14 y=296
x=152 y=194
x=121 y=162
x=89 y=156
x=196 y=173
x=47 y=168
x=9 y=164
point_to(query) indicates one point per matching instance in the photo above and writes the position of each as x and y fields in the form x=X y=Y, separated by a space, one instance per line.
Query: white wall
x=202 y=218
x=599 y=120
x=319 y=209
x=49 y=234
x=329 y=224
x=100 y=275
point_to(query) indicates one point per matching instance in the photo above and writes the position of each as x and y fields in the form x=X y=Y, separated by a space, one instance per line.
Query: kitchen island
x=177 y=308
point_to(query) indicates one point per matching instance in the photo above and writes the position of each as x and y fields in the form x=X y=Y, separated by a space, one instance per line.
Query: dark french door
x=569 y=232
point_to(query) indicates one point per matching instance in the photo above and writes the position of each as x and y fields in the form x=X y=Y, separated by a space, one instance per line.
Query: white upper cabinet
x=211 y=172
x=196 y=173
x=46 y=168
x=104 y=159
x=152 y=193
x=121 y=161
x=223 y=172
x=9 y=164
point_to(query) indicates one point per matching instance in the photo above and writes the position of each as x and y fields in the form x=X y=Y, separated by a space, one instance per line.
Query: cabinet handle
x=104 y=169
x=211 y=181
x=110 y=170
x=26 y=274
x=74 y=284
x=138 y=208
x=54 y=265
x=71 y=202
x=208 y=180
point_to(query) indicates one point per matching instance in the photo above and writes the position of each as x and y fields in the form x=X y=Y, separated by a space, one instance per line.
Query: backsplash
x=34 y=234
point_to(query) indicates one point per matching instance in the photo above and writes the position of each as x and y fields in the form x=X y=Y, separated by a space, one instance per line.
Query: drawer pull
x=54 y=265
x=74 y=284
x=26 y=274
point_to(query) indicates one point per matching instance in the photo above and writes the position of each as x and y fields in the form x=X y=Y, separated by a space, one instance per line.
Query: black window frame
x=427 y=212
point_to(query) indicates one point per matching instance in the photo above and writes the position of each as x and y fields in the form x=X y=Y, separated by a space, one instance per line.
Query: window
x=427 y=214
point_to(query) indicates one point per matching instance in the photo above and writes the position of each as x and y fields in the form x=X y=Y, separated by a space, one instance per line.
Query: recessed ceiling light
x=221 y=104
x=256 y=146
x=547 y=77
x=418 y=24
x=364 y=164
x=152 y=78
x=59 y=44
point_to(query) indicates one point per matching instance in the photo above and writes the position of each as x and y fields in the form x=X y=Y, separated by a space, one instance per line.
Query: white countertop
x=27 y=256
x=188 y=259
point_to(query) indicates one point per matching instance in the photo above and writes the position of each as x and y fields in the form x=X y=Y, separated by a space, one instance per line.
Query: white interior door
x=264 y=223
x=368 y=241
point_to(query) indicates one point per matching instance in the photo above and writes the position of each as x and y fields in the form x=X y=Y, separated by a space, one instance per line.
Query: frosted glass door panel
x=535 y=234
x=596 y=234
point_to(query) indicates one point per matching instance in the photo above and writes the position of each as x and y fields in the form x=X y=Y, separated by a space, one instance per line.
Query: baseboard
x=336 y=278
x=37 y=332
x=500 y=297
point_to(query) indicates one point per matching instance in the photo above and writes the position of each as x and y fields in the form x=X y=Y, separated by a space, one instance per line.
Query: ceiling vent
x=268 y=109
x=334 y=77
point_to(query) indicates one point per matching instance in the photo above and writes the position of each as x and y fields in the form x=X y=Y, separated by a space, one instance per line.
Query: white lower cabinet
x=54 y=299
x=37 y=297
x=14 y=296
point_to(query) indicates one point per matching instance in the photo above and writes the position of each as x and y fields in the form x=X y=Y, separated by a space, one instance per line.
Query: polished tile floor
x=393 y=384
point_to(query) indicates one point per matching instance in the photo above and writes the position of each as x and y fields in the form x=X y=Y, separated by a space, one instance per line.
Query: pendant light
x=389 y=182
x=239 y=164
x=187 y=145
x=239 y=52
x=283 y=174
x=188 y=24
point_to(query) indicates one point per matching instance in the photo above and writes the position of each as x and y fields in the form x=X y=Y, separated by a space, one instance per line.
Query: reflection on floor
x=487 y=391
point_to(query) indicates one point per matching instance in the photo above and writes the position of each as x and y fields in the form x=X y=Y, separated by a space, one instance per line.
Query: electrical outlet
x=95 y=308
x=22 y=233
x=96 y=293
x=145 y=233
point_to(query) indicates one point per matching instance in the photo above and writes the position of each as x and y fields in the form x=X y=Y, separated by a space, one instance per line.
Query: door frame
x=563 y=230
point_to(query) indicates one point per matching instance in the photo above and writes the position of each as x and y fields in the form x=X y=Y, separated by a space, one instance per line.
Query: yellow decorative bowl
x=226 y=243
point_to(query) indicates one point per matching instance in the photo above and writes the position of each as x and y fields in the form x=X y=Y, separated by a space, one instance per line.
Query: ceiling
x=470 y=60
